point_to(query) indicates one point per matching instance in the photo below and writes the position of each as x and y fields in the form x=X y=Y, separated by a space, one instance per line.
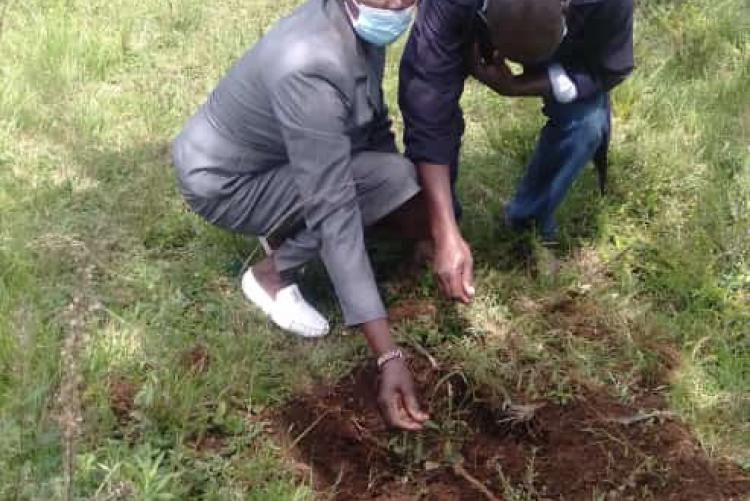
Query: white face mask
x=381 y=26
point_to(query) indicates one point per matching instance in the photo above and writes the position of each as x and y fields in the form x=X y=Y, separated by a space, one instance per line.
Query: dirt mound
x=592 y=446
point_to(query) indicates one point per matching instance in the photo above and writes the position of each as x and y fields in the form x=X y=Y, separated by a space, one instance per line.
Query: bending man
x=297 y=131
x=452 y=39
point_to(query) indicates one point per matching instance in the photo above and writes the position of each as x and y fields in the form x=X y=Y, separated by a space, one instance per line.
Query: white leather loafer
x=289 y=311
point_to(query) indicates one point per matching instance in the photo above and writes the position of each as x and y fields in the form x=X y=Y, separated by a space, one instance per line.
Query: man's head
x=524 y=31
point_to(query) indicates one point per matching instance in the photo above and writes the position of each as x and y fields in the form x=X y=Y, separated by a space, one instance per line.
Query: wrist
x=441 y=222
x=514 y=87
x=447 y=238
x=444 y=229
x=378 y=336
x=384 y=349
x=389 y=358
x=505 y=87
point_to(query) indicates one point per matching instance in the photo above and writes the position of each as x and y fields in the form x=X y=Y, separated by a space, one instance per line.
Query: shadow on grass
x=489 y=180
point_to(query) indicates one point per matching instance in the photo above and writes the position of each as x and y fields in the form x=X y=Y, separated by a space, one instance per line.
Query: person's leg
x=567 y=142
x=250 y=202
x=217 y=189
x=389 y=197
x=389 y=201
x=408 y=222
x=385 y=183
x=253 y=205
x=391 y=179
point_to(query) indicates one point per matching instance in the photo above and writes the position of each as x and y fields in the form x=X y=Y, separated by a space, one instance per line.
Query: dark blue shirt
x=597 y=54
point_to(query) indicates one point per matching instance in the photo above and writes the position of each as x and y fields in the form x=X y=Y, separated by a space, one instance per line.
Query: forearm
x=345 y=257
x=452 y=262
x=436 y=189
x=535 y=84
x=348 y=265
x=525 y=85
x=378 y=336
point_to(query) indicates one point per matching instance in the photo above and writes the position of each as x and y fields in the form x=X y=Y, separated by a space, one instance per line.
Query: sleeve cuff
x=355 y=318
x=563 y=87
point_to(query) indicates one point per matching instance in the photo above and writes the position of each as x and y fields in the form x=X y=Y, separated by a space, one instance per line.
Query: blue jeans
x=574 y=133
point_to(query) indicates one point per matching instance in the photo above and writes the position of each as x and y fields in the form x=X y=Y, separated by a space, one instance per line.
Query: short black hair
x=527 y=29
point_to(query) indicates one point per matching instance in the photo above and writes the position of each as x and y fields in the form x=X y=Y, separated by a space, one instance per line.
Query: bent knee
x=385 y=181
x=387 y=168
x=401 y=169
x=194 y=178
x=201 y=184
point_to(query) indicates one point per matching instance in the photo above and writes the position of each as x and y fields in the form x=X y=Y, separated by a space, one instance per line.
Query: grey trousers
x=258 y=202
x=383 y=181
x=251 y=190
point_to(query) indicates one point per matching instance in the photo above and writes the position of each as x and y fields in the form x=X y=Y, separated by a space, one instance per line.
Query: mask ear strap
x=352 y=18
x=482 y=6
x=565 y=6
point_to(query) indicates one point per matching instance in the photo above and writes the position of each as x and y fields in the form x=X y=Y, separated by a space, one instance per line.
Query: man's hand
x=396 y=396
x=453 y=266
x=452 y=262
x=397 y=399
x=495 y=73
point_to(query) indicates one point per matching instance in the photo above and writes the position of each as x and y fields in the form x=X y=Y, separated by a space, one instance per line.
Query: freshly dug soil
x=593 y=445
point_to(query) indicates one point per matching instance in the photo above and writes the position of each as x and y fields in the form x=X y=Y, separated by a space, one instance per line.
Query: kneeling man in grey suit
x=297 y=131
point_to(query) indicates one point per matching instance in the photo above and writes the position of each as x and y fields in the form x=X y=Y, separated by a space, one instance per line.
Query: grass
x=106 y=280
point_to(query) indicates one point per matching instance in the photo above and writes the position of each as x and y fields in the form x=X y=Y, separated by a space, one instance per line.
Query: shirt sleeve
x=432 y=75
x=312 y=116
x=611 y=43
x=563 y=88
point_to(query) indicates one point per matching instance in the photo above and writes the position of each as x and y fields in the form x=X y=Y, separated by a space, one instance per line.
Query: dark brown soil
x=121 y=394
x=579 y=316
x=412 y=309
x=593 y=445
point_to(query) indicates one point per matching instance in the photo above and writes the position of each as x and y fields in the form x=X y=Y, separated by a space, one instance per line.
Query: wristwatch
x=388 y=356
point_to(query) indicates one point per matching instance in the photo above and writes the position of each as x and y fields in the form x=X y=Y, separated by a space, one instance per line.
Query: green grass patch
x=175 y=373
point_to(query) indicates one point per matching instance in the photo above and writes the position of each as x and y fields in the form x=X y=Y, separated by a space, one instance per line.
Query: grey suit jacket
x=307 y=96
